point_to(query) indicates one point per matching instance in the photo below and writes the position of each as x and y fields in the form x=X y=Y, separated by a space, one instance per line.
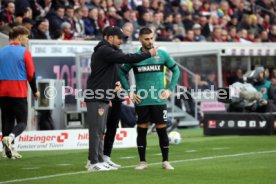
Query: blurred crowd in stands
x=172 y=20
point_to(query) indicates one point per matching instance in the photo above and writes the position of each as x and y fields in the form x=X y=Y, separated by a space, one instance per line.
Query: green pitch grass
x=197 y=160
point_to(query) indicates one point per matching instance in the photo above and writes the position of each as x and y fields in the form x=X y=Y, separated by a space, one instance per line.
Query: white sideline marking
x=191 y=151
x=158 y=154
x=127 y=157
x=64 y=164
x=132 y=166
x=30 y=168
x=219 y=148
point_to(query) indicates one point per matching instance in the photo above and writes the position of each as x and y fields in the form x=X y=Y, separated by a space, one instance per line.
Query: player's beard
x=147 y=47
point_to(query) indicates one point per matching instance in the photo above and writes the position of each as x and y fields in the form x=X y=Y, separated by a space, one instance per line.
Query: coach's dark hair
x=145 y=30
x=18 y=30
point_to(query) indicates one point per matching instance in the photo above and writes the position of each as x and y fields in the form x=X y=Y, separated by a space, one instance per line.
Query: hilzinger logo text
x=42 y=139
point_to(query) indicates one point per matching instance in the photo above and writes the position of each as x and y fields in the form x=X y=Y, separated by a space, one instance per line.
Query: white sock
x=12 y=136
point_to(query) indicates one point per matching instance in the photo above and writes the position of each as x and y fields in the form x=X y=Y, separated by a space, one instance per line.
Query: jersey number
x=165 y=114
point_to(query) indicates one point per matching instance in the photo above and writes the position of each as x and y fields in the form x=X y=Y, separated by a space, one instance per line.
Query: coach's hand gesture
x=118 y=86
x=153 y=51
x=134 y=98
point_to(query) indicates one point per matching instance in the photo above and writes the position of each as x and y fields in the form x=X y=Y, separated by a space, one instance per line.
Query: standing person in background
x=149 y=74
x=103 y=80
x=16 y=68
x=262 y=85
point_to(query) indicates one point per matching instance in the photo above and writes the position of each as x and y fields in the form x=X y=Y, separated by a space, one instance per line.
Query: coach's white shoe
x=87 y=164
x=109 y=162
x=141 y=166
x=97 y=167
x=7 y=142
x=15 y=155
x=109 y=166
x=166 y=165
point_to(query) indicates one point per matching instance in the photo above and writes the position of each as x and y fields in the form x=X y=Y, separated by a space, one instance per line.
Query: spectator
x=27 y=13
x=125 y=15
x=41 y=30
x=103 y=5
x=69 y=16
x=145 y=19
x=214 y=22
x=168 y=21
x=205 y=28
x=198 y=37
x=244 y=8
x=133 y=20
x=113 y=18
x=187 y=21
x=238 y=77
x=79 y=24
x=243 y=34
x=178 y=24
x=224 y=6
x=184 y=7
x=233 y=22
x=211 y=80
x=251 y=37
x=224 y=36
x=102 y=19
x=27 y=23
x=154 y=5
x=142 y=9
x=157 y=21
x=91 y=25
x=128 y=31
x=209 y=14
x=262 y=85
x=94 y=4
x=197 y=7
x=85 y=11
x=7 y=14
x=260 y=24
x=272 y=34
x=55 y=20
x=233 y=36
x=214 y=8
x=216 y=37
x=21 y=6
x=46 y=6
x=264 y=36
x=189 y=36
x=66 y=31
x=61 y=3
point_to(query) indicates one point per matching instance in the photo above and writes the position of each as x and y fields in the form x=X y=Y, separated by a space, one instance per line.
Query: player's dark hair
x=144 y=31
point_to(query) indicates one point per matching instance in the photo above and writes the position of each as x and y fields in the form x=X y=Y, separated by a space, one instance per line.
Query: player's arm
x=171 y=64
x=123 y=75
x=115 y=56
x=30 y=70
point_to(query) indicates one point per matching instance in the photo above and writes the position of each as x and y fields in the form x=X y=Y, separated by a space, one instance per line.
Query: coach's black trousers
x=13 y=109
x=111 y=126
